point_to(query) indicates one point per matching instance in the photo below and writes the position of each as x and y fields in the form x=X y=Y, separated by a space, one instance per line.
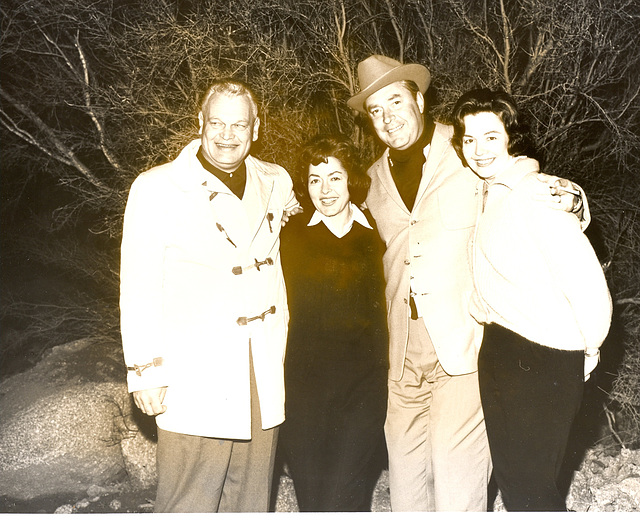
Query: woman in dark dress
x=337 y=352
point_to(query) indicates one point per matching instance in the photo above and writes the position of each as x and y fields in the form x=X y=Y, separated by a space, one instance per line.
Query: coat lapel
x=256 y=196
x=384 y=174
x=439 y=144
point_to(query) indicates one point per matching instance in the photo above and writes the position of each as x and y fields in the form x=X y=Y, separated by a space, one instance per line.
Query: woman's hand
x=290 y=213
x=591 y=360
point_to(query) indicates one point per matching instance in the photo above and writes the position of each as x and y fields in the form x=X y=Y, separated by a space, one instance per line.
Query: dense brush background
x=92 y=93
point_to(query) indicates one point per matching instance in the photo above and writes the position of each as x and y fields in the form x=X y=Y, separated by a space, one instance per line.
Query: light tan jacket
x=180 y=300
x=427 y=251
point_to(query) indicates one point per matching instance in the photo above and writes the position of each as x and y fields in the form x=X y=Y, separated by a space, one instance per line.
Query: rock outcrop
x=68 y=423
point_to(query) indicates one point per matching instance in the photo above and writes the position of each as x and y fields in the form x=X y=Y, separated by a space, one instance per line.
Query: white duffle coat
x=184 y=233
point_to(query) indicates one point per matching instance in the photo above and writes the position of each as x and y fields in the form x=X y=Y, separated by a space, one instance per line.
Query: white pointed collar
x=356 y=216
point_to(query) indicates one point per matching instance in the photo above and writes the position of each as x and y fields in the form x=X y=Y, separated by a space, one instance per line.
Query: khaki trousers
x=207 y=475
x=439 y=457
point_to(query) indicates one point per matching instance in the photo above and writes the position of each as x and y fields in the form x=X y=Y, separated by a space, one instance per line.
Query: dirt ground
x=607 y=480
x=122 y=499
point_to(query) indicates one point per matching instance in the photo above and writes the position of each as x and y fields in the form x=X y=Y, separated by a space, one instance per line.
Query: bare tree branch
x=62 y=153
x=506 y=39
x=396 y=29
x=89 y=107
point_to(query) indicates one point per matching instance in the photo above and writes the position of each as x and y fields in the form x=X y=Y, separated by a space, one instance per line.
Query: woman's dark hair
x=318 y=149
x=501 y=104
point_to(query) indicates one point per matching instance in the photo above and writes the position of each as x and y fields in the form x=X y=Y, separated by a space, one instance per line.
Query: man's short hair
x=411 y=86
x=230 y=87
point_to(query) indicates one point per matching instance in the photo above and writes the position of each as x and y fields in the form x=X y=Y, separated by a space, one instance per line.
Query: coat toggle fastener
x=243 y=320
x=239 y=269
x=157 y=362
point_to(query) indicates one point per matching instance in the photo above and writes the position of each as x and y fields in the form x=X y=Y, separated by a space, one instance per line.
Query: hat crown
x=379 y=71
x=373 y=68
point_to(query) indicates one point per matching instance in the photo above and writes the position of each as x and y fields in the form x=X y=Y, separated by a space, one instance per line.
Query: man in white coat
x=203 y=310
x=424 y=203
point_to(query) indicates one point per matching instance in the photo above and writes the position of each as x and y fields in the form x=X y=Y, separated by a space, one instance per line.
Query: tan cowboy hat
x=379 y=71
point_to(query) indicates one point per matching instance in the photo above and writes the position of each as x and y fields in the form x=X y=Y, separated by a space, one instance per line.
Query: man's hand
x=150 y=400
x=290 y=213
x=559 y=193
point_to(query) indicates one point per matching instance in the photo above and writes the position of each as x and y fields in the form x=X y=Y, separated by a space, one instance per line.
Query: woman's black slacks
x=530 y=397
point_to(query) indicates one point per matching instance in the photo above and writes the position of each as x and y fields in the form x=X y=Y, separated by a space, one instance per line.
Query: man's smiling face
x=228 y=128
x=396 y=115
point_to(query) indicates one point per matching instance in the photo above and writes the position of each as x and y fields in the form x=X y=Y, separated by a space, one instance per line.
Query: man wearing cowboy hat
x=424 y=203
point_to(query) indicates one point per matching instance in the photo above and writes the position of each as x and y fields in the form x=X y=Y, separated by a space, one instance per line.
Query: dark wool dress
x=336 y=365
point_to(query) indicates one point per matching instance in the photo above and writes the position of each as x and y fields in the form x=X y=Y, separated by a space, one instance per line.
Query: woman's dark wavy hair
x=502 y=105
x=318 y=149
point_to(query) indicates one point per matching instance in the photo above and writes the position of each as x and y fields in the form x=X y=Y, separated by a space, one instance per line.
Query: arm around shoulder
x=564 y=195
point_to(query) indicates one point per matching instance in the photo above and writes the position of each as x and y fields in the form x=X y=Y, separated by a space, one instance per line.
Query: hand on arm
x=290 y=213
x=150 y=400
x=560 y=194
x=292 y=206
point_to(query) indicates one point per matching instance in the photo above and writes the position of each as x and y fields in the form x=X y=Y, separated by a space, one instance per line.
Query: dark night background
x=93 y=93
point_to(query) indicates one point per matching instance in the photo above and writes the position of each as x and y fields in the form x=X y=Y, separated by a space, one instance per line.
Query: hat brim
x=412 y=71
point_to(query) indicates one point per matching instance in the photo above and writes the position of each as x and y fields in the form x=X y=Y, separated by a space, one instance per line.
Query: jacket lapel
x=439 y=144
x=384 y=174
x=256 y=196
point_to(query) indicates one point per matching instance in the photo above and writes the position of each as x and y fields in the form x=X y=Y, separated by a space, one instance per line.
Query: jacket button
x=406 y=262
